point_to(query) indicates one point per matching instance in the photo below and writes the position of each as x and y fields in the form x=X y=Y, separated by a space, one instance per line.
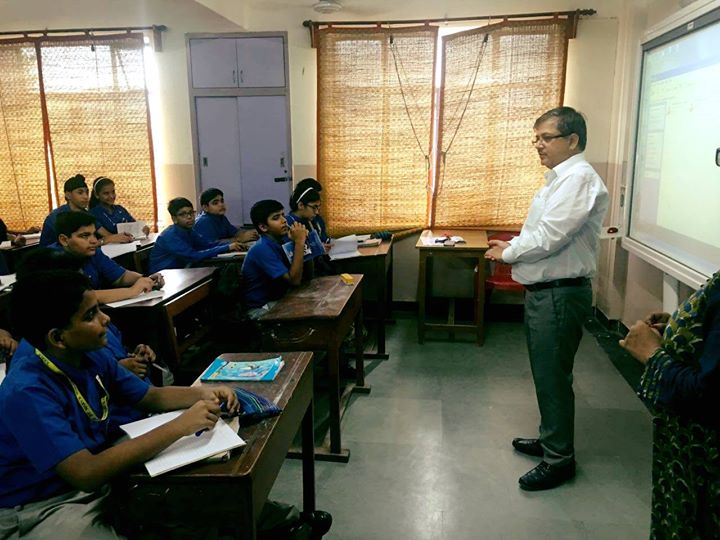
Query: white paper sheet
x=187 y=450
x=115 y=250
x=135 y=228
x=6 y=281
x=139 y=298
x=344 y=248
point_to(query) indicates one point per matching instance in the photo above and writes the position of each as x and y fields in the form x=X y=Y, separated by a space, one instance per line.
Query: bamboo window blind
x=375 y=103
x=491 y=171
x=90 y=102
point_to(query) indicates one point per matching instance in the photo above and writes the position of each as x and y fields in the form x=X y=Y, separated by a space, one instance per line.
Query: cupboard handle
x=241 y=77
x=234 y=77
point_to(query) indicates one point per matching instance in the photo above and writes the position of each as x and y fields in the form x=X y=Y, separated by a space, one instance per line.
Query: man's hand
x=496 y=250
x=158 y=280
x=641 y=341
x=135 y=364
x=18 y=241
x=144 y=352
x=120 y=238
x=249 y=235
x=298 y=233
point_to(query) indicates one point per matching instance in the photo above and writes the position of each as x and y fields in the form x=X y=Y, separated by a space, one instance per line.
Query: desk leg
x=334 y=371
x=422 y=284
x=480 y=300
x=308 y=459
x=359 y=355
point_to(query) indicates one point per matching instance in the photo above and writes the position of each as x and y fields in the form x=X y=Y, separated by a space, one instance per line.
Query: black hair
x=569 y=121
x=177 y=204
x=69 y=222
x=74 y=182
x=305 y=183
x=45 y=259
x=209 y=194
x=307 y=194
x=98 y=184
x=261 y=210
x=46 y=300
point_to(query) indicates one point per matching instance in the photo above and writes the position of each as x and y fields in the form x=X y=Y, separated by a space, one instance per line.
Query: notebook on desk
x=188 y=449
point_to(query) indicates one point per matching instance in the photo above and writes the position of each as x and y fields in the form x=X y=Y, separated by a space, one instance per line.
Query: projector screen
x=675 y=202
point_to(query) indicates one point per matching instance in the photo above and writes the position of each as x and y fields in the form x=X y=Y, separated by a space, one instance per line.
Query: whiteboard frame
x=670 y=266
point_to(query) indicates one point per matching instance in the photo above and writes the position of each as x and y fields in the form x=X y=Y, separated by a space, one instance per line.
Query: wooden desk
x=475 y=246
x=14 y=254
x=317 y=316
x=153 y=321
x=232 y=494
x=376 y=265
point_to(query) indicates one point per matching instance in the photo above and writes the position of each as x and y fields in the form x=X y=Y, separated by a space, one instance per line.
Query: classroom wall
x=602 y=64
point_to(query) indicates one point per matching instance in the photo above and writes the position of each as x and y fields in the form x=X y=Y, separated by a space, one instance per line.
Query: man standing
x=554 y=257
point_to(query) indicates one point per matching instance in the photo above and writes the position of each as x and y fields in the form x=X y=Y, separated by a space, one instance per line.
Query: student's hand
x=120 y=238
x=135 y=364
x=7 y=343
x=18 y=241
x=146 y=230
x=143 y=284
x=298 y=233
x=658 y=321
x=221 y=394
x=249 y=235
x=235 y=246
x=641 y=341
x=158 y=280
x=33 y=230
x=327 y=246
x=144 y=352
x=495 y=253
x=201 y=416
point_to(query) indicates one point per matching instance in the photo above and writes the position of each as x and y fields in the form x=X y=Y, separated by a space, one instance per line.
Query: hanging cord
x=407 y=109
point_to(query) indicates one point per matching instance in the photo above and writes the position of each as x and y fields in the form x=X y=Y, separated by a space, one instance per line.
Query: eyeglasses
x=315 y=207
x=545 y=138
x=190 y=213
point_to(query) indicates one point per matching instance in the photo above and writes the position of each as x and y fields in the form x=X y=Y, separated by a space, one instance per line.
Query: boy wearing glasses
x=177 y=248
x=212 y=225
x=554 y=257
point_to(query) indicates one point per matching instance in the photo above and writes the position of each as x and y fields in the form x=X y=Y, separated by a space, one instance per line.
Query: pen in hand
x=223 y=408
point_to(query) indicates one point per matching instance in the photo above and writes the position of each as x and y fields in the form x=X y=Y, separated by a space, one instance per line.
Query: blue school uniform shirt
x=100 y=269
x=263 y=270
x=42 y=423
x=212 y=227
x=110 y=219
x=176 y=248
x=314 y=245
x=321 y=228
x=48 y=235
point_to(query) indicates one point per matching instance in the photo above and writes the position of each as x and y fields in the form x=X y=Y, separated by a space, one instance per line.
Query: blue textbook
x=255 y=370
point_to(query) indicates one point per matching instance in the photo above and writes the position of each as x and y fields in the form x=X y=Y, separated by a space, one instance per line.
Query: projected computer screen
x=675 y=205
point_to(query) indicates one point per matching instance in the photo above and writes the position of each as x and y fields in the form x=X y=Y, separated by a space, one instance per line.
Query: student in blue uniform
x=76 y=236
x=267 y=273
x=77 y=196
x=103 y=207
x=317 y=220
x=55 y=455
x=176 y=247
x=212 y=225
x=305 y=208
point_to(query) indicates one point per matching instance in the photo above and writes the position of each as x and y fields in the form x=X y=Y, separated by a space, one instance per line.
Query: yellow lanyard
x=81 y=400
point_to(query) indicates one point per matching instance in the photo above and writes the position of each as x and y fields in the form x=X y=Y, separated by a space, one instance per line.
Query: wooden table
x=317 y=316
x=153 y=321
x=232 y=494
x=376 y=265
x=474 y=247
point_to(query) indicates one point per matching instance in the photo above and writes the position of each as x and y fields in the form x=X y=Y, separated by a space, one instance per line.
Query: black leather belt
x=567 y=282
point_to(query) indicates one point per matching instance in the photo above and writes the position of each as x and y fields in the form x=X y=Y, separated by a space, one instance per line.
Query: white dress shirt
x=560 y=236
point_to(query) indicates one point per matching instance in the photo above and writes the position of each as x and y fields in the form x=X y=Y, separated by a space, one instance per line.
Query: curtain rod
x=156 y=30
x=314 y=26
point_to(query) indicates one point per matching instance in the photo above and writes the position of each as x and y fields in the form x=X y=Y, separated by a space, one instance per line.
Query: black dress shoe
x=530 y=447
x=546 y=476
x=319 y=521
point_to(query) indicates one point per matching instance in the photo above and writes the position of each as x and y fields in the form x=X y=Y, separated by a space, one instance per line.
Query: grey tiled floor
x=431 y=456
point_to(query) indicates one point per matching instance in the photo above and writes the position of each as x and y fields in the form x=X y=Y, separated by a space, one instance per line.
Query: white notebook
x=187 y=450
x=135 y=228
x=135 y=299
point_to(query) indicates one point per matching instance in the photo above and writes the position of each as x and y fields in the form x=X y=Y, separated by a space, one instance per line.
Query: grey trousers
x=553 y=327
